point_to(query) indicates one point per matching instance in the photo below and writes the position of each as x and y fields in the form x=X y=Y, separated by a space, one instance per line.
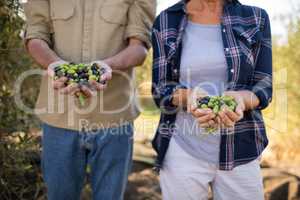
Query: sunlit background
x=279 y=11
x=20 y=134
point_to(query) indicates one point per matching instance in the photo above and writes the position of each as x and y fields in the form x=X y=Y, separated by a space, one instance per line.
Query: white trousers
x=184 y=177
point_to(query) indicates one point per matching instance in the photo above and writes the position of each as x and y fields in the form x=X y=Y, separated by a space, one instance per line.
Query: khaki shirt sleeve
x=141 y=15
x=38 y=24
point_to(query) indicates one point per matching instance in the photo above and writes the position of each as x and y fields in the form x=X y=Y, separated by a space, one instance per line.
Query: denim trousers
x=66 y=154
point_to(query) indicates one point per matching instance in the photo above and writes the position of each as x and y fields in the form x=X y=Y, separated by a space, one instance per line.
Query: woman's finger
x=206 y=118
x=240 y=111
x=201 y=112
x=218 y=120
x=204 y=125
x=232 y=115
x=212 y=123
x=225 y=119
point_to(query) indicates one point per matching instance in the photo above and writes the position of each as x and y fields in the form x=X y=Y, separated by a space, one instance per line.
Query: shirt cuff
x=139 y=33
x=264 y=100
x=37 y=32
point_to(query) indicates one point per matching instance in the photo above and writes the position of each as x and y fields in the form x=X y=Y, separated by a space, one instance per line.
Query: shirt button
x=232 y=70
x=175 y=71
x=224 y=30
x=226 y=49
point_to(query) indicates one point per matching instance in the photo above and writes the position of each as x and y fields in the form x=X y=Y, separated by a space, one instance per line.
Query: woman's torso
x=203 y=65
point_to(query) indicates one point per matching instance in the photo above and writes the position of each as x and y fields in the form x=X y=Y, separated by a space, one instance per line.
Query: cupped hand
x=105 y=77
x=205 y=117
x=61 y=83
x=193 y=97
x=228 y=117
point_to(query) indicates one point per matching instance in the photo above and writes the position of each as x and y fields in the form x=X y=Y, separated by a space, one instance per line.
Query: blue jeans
x=66 y=154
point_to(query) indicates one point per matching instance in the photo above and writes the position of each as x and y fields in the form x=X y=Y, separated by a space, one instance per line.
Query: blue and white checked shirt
x=246 y=37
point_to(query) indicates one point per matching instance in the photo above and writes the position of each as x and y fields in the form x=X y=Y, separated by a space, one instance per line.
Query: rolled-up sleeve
x=262 y=78
x=163 y=86
x=141 y=15
x=38 y=26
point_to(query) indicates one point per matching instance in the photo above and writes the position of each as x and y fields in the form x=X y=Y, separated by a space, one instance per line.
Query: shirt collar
x=181 y=5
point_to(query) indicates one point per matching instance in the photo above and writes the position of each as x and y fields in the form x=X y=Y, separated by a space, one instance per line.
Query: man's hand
x=102 y=84
x=60 y=84
x=227 y=117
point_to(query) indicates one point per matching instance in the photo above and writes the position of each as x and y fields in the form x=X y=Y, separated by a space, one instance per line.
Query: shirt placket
x=87 y=28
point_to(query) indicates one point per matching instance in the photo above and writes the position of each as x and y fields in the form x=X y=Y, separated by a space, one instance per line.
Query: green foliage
x=13 y=61
x=287 y=56
x=20 y=175
x=144 y=83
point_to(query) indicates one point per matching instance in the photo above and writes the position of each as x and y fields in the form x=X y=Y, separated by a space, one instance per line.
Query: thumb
x=240 y=110
x=191 y=106
x=50 y=72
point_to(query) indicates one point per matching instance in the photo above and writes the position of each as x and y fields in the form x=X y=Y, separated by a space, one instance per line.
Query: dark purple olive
x=102 y=71
x=94 y=66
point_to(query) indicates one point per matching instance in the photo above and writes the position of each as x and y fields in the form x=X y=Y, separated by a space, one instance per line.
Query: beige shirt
x=82 y=31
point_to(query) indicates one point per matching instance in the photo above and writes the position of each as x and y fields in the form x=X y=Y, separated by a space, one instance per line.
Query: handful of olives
x=215 y=103
x=80 y=74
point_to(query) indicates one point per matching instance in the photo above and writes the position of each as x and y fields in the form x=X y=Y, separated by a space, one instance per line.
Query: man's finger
x=86 y=91
x=58 y=85
x=70 y=89
x=97 y=85
x=106 y=76
x=62 y=79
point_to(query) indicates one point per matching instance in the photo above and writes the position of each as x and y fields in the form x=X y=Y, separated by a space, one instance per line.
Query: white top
x=203 y=64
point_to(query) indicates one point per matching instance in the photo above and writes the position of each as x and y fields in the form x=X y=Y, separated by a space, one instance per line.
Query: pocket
x=250 y=35
x=114 y=12
x=62 y=9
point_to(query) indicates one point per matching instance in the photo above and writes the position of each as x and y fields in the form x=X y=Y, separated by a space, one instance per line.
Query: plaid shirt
x=247 y=47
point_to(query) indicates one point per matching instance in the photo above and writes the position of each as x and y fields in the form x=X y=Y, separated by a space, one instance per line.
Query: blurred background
x=20 y=176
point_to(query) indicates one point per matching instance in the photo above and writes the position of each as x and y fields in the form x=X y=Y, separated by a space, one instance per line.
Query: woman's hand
x=205 y=117
x=227 y=117
x=187 y=98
